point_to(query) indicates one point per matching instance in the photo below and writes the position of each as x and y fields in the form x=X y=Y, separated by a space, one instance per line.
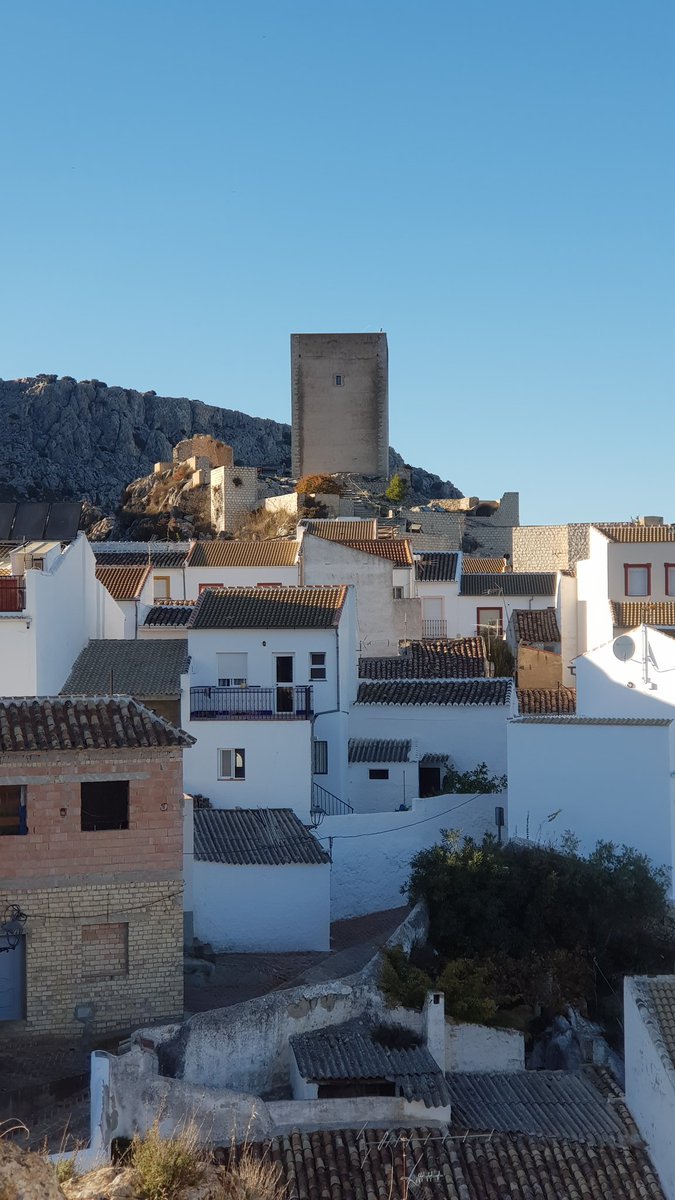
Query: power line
x=376 y=832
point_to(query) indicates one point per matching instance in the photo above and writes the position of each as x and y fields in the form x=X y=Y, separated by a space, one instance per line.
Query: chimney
x=434 y=1019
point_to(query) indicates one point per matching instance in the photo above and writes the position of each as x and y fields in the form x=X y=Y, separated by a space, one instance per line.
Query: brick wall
x=104 y=907
x=55 y=847
x=79 y=941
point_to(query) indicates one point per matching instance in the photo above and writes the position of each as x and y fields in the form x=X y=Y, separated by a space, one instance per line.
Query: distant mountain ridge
x=75 y=441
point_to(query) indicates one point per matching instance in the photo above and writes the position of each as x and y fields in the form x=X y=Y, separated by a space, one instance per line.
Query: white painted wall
x=657 y=554
x=650 y=1086
x=237 y=577
x=254 y=909
x=594 y=615
x=66 y=606
x=464 y=618
x=382 y=795
x=380 y=623
x=642 y=686
x=604 y=781
x=566 y=611
x=372 y=851
x=278 y=762
x=482 y=1048
x=469 y=734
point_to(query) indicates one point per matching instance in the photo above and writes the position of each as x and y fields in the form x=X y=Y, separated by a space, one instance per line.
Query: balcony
x=431 y=630
x=283 y=703
x=12 y=593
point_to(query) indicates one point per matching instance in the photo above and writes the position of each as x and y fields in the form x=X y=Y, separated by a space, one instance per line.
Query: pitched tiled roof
x=561 y=1104
x=269 y=608
x=437 y=566
x=123 y=583
x=448 y=691
x=532 y=625
x=563 y=719
x=350 y=1052
x=512 y=583
x=629 y=614
x=459 y=658
x=361 y=1164
x=638 y=533
x=376 y=750
x=483 y=566
x=275 y=552
x=137 y=668
x=655 y=997
x=358 y=530
x=397 y=550
x=173 y=612
x=83 y=723
x=550 y=701
x=246 y=837
x=157 y=556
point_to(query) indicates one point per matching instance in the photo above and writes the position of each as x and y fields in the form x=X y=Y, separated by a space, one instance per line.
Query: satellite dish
x=624 y=647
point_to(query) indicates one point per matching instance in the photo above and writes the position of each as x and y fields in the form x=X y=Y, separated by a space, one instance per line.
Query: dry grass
x=248 y=1177
x=165 y=1165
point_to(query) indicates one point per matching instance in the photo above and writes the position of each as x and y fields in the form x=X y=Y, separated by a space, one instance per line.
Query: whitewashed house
x=463 y=719
x=220 y=563
x=272 y=678
x=649 y=1053
x=51 y=604
x=437 y=576
x=631 y=675
x=485 y=602
x=260 y=881
x=381 y=572
x=163 y=580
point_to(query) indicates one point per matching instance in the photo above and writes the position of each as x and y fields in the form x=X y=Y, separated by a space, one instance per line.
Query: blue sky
x=186 y=184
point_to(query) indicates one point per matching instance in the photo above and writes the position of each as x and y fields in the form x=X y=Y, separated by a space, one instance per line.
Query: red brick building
x=91 y=844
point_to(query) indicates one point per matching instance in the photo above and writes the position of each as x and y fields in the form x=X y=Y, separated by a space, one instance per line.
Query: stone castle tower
x=340 y=403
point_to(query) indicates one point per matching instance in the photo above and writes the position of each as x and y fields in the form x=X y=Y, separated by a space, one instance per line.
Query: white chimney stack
x=434 y=1015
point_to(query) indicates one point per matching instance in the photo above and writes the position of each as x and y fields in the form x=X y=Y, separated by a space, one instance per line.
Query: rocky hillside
x=70 y=440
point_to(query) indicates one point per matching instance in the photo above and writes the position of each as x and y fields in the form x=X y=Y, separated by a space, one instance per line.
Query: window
x=489 y=621
x=317 y=666
x=670 y=579
x=398 y=593
x=203 y=586
x=269 y=585
x=231 y=764
x=320 y=758
x=378 y=773
x=162 y=587
x=232 y=670
x=638 y=579
x=338 y=380
x=12 y=810
x=104 y=805
x=105 y=951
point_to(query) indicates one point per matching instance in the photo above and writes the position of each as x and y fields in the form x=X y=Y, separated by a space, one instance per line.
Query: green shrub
x=165 y=1165
x=402 y=983
x=397 y=490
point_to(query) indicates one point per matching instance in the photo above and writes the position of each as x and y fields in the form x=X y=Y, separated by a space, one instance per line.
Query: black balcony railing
x=325 y=804
x=12 y=593
x=283 y=703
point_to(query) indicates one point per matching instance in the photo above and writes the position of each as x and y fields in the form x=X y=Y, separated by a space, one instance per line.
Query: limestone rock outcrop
x=26 y=1176
x=68 y=440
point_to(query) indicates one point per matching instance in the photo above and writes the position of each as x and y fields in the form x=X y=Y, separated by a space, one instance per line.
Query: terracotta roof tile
x=29 y=723
x=458 y=658
x=436 y=566
x=255 y=837
x=123 y=583
x=174 y=612
x=349 y=1051
x=655 y=998
x=511 y=583
x=156 y=556
x=533 y=626
x=443 y=692
x=483 y=566
x=356 y=530
x=550 y=701
x=629 y=613
x=397 y=550
x=638 y=533
x=269 y=608
x=377 y=750
x=365 y=1164
x=137 y=667
x=276 y=552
